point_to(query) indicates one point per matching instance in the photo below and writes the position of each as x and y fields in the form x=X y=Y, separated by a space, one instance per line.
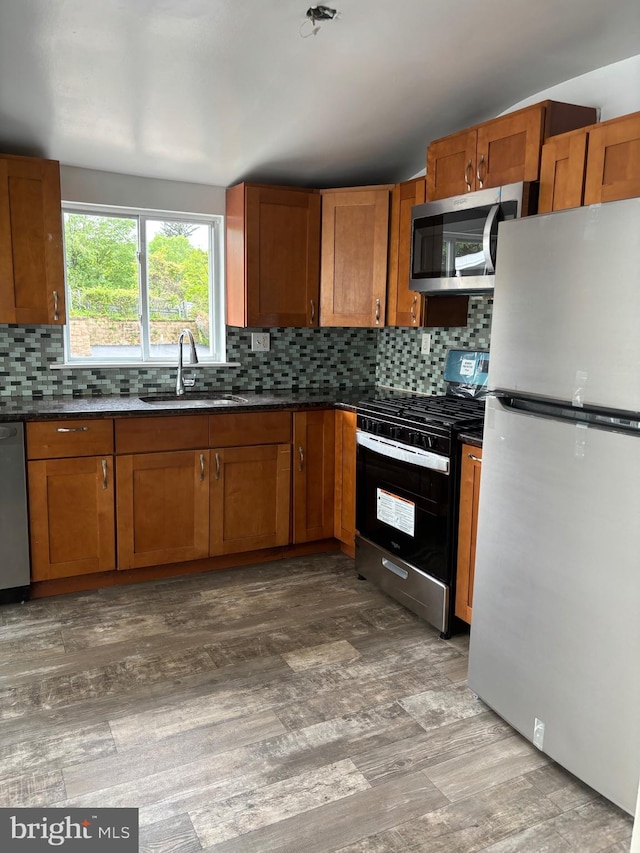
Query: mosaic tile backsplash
x=299 y=358
x=400 y=364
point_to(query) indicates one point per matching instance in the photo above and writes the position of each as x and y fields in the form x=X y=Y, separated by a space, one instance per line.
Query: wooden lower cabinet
x=313 y=475
x=72 y=517
x=467 y=529
x=162 y=508
x=250 y=498
x=345 y=483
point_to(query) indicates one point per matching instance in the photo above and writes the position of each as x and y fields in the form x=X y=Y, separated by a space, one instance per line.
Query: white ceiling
x=215 y=91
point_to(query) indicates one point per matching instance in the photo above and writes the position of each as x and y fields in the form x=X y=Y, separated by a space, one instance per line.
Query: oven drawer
x=424 y=595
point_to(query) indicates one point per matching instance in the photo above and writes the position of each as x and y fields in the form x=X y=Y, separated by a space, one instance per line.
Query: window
x=135 y=280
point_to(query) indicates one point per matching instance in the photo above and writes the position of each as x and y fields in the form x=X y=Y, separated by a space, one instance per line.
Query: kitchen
x=392 y=355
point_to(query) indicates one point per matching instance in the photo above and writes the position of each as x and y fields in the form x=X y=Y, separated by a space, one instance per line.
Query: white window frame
x=217 y=328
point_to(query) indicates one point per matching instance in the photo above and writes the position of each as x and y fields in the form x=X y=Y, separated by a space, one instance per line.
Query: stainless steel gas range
x=407 y=487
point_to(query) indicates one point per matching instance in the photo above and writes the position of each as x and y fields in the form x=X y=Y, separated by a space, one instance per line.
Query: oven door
x=403 y=503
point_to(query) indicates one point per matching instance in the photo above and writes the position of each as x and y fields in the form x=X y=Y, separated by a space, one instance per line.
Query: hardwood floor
x=286 y=707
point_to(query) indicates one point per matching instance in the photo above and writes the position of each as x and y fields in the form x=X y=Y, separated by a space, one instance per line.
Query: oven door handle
x=403 y=452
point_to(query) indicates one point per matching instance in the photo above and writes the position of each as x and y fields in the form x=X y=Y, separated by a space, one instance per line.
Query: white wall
x=116 y=190
x=614 y=89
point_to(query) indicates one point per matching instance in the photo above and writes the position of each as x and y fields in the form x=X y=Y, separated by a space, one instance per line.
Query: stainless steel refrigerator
x=555 y=639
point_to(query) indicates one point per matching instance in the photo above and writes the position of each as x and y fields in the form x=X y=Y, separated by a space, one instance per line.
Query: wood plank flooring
x=285 y=707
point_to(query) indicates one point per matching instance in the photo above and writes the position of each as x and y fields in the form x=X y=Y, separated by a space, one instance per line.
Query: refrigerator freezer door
x=556 y=633
x=567 y=306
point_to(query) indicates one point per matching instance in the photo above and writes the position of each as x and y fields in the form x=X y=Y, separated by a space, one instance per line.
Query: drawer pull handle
x=301 y=455
x=217 y=466
x=474 y=458
x=202 y=467
x=104 y=474
x=397 y=570
x=72 y=429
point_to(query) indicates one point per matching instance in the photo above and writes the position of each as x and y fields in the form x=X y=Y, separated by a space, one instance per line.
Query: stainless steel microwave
x=454 y=240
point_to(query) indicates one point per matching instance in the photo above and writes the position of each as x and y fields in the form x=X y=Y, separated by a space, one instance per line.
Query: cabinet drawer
x=59 y=439
x=145 y=435
x=241 y=429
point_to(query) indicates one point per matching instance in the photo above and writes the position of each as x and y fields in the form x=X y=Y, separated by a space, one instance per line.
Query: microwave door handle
x=486 y=238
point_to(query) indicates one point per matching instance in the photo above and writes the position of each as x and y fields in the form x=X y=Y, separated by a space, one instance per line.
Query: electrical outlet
x=538 y=733
x=426 y=343
x=260 y=341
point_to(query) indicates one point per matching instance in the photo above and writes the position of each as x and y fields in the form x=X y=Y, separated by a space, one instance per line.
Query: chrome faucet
x=181 y=382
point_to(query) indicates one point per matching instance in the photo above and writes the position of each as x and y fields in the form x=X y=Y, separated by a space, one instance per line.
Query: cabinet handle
x=467 y=177
x=313 y=312
x=413 y=308
x=56 y=312
x=104 y=474
x=474 y=458
x=484 y=172
x=377 y=311
x=301 y=455
x=202 y=467
x=72 y=429
x=217 y=466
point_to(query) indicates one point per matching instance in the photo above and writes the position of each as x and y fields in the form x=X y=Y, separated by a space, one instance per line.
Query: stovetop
x=427 y=422
x=444 y=410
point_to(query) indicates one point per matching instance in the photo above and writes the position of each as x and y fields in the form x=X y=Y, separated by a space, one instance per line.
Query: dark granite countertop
x=472 y=436
x=49 y=408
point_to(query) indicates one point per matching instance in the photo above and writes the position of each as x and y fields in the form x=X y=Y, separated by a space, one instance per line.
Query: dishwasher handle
x=8 y=432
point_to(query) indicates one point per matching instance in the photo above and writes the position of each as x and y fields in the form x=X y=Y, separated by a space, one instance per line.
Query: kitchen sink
x=203 y=400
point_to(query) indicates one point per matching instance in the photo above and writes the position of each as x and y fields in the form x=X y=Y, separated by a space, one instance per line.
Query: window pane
x=102 y=286
x=178 y=285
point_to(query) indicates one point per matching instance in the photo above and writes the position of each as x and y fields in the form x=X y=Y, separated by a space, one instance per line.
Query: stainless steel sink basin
x=198 y=400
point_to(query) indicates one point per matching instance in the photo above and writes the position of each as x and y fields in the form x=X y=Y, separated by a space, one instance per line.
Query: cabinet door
x=451 y=165
x=163 y=508
x=562 y=171
x=273 y=256
x=353 y=269
x=508 y=148
x=404 y=306
x=250 y=498
x=31 y=258
x=613 y=161
x=467 y=529
x=72 y=517
x=313 y=475
x=345 y=485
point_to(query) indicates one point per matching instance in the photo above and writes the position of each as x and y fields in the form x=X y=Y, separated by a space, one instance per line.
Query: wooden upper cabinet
x=407 y=307
x=564 y=160
x=501 y=151
x=613 y=160
x=31 y=256
x=273 y=256
x=353 y=267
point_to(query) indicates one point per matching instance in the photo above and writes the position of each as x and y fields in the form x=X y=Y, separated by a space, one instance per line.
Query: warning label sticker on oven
x=397 y=512
x=467 y=367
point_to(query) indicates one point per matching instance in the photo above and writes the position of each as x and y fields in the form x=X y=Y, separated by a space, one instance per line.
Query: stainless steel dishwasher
x=14 y=532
